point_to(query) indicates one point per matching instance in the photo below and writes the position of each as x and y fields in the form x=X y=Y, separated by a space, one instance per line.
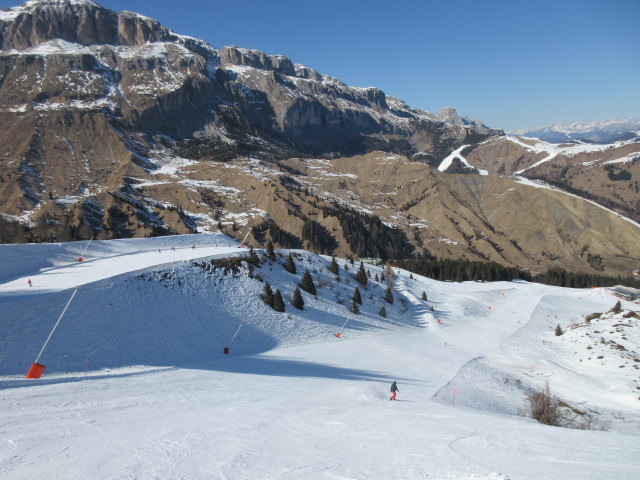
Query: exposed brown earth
x=118 y=127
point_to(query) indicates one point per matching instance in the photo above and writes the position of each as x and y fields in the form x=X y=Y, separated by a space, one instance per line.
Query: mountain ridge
x=155 y=133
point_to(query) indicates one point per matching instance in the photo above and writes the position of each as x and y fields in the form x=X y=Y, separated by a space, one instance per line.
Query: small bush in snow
x=617 y=308
x=383 y=312
x=558 y=330
x=545 y=408
x=593 y=316
x=548 y=409
x=424 y=296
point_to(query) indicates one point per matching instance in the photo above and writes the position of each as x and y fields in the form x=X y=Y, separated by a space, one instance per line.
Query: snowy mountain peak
x=606 y=131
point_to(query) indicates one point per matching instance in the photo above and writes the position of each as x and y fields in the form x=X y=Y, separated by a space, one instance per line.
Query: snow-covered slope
x=137 y=384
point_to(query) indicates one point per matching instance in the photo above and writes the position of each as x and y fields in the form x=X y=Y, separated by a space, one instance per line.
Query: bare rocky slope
x=115 y=126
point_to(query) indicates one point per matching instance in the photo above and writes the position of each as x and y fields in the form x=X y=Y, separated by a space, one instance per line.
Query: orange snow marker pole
x=342 y=328
x=242 y=245
x=35 y=371
x=454 y=396
x=80 y=258
x=37 y=368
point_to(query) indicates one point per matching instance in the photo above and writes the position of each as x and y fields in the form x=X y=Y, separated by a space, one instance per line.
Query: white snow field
x=137 y=385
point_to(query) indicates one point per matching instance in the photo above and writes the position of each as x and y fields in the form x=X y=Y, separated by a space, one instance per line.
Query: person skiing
x=29 y=282
x=394 y=390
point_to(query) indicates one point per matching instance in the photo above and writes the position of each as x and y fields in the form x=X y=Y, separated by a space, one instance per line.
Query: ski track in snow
x=159 y=399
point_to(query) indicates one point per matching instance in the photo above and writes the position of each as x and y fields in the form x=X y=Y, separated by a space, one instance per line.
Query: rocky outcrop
x=450 y=115
x=37 y=22
x=117 y=126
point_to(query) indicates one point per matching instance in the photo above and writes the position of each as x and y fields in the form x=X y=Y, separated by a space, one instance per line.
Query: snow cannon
x=35 y=371
x=338 y=335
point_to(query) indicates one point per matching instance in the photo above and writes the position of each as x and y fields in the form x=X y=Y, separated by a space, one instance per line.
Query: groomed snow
x=446 y=163
x=137 y=384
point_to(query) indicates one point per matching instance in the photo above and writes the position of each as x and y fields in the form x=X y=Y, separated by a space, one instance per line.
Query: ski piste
x=137 y=383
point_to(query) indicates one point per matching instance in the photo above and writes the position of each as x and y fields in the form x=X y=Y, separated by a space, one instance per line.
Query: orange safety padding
x=35 y=371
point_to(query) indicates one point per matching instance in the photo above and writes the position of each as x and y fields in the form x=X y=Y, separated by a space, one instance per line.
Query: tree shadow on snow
x=287 y=367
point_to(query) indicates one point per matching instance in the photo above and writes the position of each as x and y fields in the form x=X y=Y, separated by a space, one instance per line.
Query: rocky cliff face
x=113 y=125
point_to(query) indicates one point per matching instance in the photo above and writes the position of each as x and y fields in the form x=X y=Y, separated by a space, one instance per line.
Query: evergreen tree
x=250 y=270
x=278 y=302
x=356 y=296
x=368 y=273
x=271 y=254
x=297 y=300
x=333 y=267
x=558 y=330
x=424 y=296
x=411 y=276
x=354 y=308
x=253 y=257
x=290 y=265
x=361 y=276
x=388 y=296
x=383 y=312
x=307 y=283
x=267 y=294
x=382 y=277
x=376 y=278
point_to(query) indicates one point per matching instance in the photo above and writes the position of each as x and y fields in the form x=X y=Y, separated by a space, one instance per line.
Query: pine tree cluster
x=367 y=235
x=319 y=238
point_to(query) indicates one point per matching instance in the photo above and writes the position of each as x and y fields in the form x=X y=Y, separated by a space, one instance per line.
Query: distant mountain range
x=115 y=126
x=608 y=131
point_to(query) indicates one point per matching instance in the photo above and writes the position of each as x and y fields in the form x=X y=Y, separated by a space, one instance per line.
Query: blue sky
x=513 y=64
